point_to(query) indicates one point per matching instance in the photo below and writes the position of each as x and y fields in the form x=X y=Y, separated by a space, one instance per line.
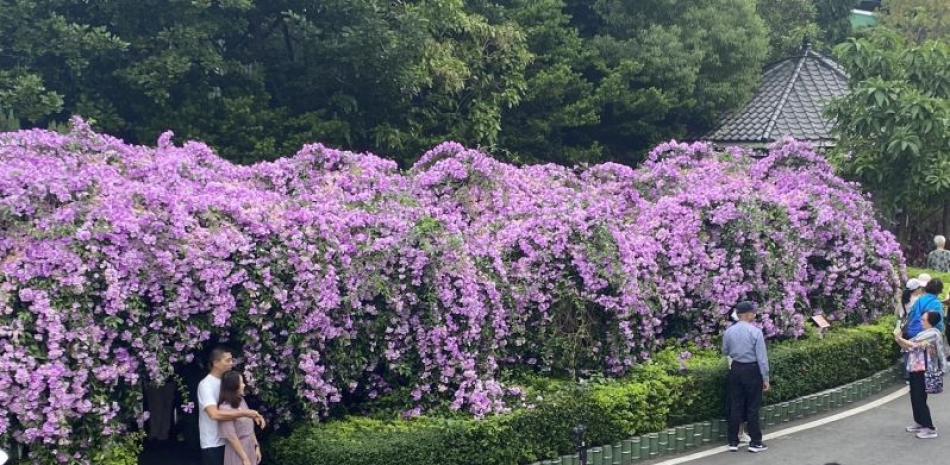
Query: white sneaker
x=927 y=433
x=733 y=448
x=913 y=429
x=757 y=448
x=744 y=438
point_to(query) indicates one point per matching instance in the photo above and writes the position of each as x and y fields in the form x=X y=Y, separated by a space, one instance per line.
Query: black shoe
x=733 y=447
x=757 y=448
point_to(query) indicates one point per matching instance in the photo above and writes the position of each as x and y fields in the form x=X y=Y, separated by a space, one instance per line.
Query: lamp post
x=579 y=443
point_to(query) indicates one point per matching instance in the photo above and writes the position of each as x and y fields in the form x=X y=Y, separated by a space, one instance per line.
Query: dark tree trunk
x=945 y=229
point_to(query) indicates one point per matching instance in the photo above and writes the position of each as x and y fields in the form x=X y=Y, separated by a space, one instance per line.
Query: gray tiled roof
x=790 y=102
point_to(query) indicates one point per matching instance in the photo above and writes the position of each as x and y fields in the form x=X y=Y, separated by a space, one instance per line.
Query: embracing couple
x=225 y=424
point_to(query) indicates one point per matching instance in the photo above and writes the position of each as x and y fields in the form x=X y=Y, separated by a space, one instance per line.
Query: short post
x=654 y=439
x=579 y=443
x=632 y=452
x=681 y=439
x=645 y=447
x=691 y=436
x=597 y=456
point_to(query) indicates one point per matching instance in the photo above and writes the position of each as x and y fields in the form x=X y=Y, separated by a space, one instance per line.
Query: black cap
x=746 y=307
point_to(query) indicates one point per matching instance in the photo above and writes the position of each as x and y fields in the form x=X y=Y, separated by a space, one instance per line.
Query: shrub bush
x=120 y=451
x=609 y=409
x=342 y=278
x=798 y=368
x=650 y=399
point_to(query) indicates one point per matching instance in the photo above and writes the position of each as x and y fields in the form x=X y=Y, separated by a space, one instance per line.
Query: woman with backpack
x=926 y=363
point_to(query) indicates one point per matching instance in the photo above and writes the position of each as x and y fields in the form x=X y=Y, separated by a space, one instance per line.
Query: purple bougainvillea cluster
x=342 y=277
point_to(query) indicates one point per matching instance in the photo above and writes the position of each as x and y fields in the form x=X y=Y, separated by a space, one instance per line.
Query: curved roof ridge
x=831 y=64
x=790 y=101
x=785 y=93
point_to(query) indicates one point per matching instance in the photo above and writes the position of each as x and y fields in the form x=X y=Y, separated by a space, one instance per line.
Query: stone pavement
x=869 y=438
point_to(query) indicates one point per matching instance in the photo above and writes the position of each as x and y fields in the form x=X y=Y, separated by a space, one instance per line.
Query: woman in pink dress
x=241 y=447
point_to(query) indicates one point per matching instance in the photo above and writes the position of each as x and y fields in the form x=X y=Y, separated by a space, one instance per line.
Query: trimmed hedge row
x=799 y=368
x=650 y=399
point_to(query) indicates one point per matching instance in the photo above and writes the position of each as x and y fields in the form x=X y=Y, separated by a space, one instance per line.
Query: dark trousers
x=745 y=399
x=212 y=456
x=918 y=400
x=160 y=402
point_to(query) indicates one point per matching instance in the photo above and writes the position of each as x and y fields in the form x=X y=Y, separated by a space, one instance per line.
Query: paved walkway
x=869 y=438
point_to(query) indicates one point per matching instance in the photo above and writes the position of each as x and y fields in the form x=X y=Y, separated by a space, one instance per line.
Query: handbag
x=916 y=361
x=933 y=377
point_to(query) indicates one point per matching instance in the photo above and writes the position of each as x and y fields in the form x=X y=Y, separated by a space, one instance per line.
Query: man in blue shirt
x=748 y=378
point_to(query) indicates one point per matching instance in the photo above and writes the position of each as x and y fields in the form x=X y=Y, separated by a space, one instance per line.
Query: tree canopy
x=894 y=125
x=918 y=20
x=532 y=80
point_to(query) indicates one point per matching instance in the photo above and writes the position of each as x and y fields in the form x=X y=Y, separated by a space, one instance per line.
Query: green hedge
x=650 y=399
x=123 y=450
x=799 y=368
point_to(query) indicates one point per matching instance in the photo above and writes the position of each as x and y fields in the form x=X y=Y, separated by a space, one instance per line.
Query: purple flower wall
x=342 y=277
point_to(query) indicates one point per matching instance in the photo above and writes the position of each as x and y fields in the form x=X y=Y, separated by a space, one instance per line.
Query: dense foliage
x=345 y=279
x=918 y=20
x=548 y=80
x=647 y=400
x=894 y=130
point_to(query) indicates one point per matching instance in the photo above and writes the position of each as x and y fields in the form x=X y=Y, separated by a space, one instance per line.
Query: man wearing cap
x=748 y=378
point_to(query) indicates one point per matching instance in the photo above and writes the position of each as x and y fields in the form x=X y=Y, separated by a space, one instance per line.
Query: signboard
x=821 y=321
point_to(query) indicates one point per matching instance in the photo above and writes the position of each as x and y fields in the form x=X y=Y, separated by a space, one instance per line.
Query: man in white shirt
x=209 y=389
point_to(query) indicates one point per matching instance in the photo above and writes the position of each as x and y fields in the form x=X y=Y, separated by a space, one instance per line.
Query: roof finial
x=806 y=45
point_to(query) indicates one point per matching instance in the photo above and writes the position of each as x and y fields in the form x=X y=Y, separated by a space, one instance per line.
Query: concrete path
x=872 y=437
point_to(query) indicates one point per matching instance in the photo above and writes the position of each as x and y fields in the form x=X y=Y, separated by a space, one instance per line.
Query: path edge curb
x=679 y=439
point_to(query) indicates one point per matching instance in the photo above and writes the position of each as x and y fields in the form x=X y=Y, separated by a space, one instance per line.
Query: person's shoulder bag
x=933 y=375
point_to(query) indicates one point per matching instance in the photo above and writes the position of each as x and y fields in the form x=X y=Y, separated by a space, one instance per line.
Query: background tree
x=559 y=106
x=918 y=20
x=894 y=130
x=544 y=80
x=255 y=79
x=789 y=23
x=614 y=77
x=834 y=19
x=393 y=78
x=8 y=122
x=45 y=58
